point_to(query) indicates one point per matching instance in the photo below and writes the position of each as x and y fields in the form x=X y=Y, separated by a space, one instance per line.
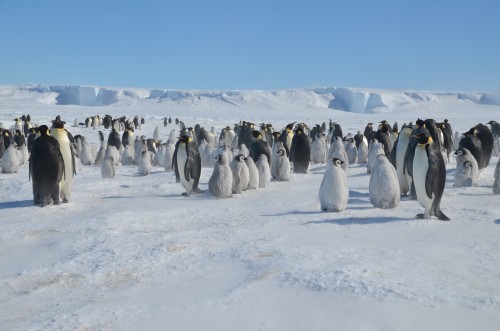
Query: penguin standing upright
x=259 y=147
x=241 y=174
x=66 y=184
x=472 y=142
x=410 y=153
x=333 y=191
x=374 y=150
x=351 y=151
x=169 y=155
x=384 y=186
x=108 y=167
x=318 y=148
x=496 y=182
x=429 y=177
x=87 y=155
x=187 y=164
x=220 y=183
x=11 y=158
x=46 y=168
x=466 y=174
x=102 y=150
x=280 y=169
x=383 y=137
x=253 y=173
x=300 y=151
x=114 y=139
x=398 y=158
x=485 y=135
x=264 y=171
x=145 y=164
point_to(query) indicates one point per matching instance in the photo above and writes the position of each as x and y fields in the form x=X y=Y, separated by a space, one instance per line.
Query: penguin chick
x=333 y=191
x=221 y=181
x=108 y=167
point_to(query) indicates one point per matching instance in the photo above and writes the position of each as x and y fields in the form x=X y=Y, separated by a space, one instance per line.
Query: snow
x=131 y=253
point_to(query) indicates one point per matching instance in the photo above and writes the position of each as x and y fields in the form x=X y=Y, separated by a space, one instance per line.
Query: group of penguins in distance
x=410 y=161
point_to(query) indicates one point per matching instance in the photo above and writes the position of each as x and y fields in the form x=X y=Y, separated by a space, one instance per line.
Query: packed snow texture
x=131 y=253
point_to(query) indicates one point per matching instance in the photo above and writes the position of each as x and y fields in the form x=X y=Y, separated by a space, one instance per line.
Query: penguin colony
x=409 y=163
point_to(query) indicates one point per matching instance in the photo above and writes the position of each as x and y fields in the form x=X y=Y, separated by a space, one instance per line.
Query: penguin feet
x=65 y=200
x=198 y=191
x=186 y=195
x=420 y=216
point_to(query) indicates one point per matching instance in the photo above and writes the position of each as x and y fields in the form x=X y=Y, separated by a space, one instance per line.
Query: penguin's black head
x=256 y=134
x=44 y=130
x=281 y=152
x=290 y=126
x=184 y=138
x=57 y=123
x=423 y=138
x=276 y=135
x=420 y=122
x=467 y=164
x=337 y=162
x=459 y=151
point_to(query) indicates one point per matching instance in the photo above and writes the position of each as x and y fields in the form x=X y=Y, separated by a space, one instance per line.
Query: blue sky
x=253 y=44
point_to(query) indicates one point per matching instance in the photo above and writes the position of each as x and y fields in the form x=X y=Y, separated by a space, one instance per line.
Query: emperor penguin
x=487 y=142
x=66 y=184
x=253 y=172
x=351 y=151
x=145 y=164
x=496 y=145
x=374 y=150
x=472 y=142
x=456 y=140
x=220 y=183
x=102 y=150
x=258 y=147
x=108 y=167
x=187 y=164
x=337 y=150
x=466 y=174
x=496 y=182
x=280 y=169
x=169 y=155
x=87 y=156
x=243 y=150
x=241 y=174
x=112 y=151
x=362 y=150
x=463 y=154
x=46 y=168
x=127 y=138
x=159 y=157
x=156 y=133
x=128 y=156
x=264 y=171
x=333 y=191
x=398 y=158
x=300 y=151
x=114 y=139
x=318 y=148
x=429 y=176
x=384 y=187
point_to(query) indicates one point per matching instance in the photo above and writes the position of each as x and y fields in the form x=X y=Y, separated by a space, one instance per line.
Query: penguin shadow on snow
x=362 y=220
x=356 y=198
x=16 y=204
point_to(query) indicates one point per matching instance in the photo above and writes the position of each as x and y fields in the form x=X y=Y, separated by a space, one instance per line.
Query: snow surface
x=131 y=253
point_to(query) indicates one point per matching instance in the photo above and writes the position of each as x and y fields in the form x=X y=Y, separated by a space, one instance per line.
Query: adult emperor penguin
x=46 y=168
x=466 y=174
x=300 y=151
x=485 y=135
x=66 y=183
x=220 y=183
x=398 y=158
x=102 y=150
x=333 y=191
x=429 y=177
x=472 y=142
x=187 y=164
x=384 y=187
x=259 y=147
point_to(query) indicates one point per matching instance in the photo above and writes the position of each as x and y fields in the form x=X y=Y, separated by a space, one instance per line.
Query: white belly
x=67 y=179
x=181 y=162
x=420 y=167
